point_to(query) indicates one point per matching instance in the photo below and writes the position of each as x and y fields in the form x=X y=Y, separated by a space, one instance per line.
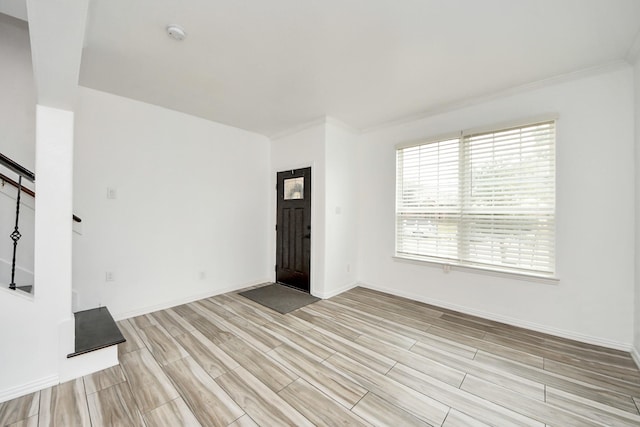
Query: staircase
x=19 y=174
x=10 y=166
x=93 y=346
x=95 y=330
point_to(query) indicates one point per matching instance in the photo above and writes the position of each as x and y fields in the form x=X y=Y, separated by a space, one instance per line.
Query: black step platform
x=95 y=329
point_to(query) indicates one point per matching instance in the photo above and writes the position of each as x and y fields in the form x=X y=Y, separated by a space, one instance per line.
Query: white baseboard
x=635 y=354
x=185 y=300
x=30 y=387
x=506 y=319
x=333 y=293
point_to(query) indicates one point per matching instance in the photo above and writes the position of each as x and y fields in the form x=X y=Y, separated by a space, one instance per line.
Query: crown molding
x=320 y=121
x=467 y=102
x=633 y=54
x=298 y=128
x=339 y=123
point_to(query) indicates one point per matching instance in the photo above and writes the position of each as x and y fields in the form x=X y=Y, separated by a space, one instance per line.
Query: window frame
x=460 y=264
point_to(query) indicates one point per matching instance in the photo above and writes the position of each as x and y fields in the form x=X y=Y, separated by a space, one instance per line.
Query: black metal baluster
x=15 y=236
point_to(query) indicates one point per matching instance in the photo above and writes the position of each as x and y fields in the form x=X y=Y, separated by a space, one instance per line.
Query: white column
x=54 y=207
x=53 y=235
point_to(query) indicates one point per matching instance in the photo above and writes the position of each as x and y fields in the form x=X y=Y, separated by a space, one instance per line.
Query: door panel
x=293 y=229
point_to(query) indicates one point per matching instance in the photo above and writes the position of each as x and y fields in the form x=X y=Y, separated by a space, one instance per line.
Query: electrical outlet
x=202 y=275
x=108 y=276
x=112 y=193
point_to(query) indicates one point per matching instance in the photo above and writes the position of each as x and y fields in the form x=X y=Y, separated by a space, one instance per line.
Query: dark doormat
x=279 y=297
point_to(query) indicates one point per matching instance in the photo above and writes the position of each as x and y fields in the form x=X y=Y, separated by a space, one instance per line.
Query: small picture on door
x=294 y=188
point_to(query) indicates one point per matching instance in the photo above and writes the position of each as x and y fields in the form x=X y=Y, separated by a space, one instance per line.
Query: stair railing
x=22 y=172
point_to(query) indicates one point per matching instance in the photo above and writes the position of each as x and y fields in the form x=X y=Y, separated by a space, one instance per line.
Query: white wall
x=341 y=251
x=17 y=141
x=593 y=300
x=192 y=199
x=305 y=148
x=18 y=94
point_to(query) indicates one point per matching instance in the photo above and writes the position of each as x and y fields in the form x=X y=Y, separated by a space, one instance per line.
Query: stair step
x=95 y=329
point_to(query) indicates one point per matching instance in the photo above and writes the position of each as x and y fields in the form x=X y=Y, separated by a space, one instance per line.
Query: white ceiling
x=15 y=8
x=267 y=66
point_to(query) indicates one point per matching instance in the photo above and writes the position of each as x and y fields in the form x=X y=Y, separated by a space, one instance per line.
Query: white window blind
x=483 y=199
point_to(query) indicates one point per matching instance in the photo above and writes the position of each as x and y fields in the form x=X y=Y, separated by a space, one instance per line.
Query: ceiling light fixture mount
x=176 y=32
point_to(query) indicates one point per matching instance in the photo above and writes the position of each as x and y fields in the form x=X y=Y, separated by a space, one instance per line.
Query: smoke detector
x=176 y=32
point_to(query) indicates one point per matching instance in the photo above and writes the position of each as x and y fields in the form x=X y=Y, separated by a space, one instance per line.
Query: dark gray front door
x=293 y=228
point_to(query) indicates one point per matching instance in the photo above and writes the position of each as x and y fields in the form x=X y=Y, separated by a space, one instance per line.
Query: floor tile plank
x=244 y=421
x=616 y=371
x=371 y=358
x=150 y=386
x=186 y=312
x=524 y=386
x=212 y=331
x=423 y=364
x=394 y=317
x=210 y=307
x=252 y=334
x=142 y=321
x=605 y=381
x=474 y=406
x=531 y=408
x=418 y=404
x=133 y=341
x=207 y=401
x=162 y=346
x=273 y=375
x=172 y=322
x=593 y=410
x=212 y=359
x=379 y=412
x=19 y=409
x=171 y=414
x=570 y=385
x=381 y=303
x=240 y=310
x=299 y=341
x=459 y=419
x=64 y=405
x=103 y=379
x=317 y=407
x=114 y=406
x=489 y=347
x=327 y=380
x=260 y=402
x=29 y=422
x=367 y=327
x=346 y=332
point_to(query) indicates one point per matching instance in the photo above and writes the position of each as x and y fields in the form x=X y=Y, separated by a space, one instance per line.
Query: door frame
x=314 y=222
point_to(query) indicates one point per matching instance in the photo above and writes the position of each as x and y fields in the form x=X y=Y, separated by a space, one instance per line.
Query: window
x=483 y=199
x=294 y=188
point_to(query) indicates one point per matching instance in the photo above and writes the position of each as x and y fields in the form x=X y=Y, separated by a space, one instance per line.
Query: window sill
x=450 y=266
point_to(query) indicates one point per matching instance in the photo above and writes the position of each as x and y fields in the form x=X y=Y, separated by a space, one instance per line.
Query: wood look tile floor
x=362 y=358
